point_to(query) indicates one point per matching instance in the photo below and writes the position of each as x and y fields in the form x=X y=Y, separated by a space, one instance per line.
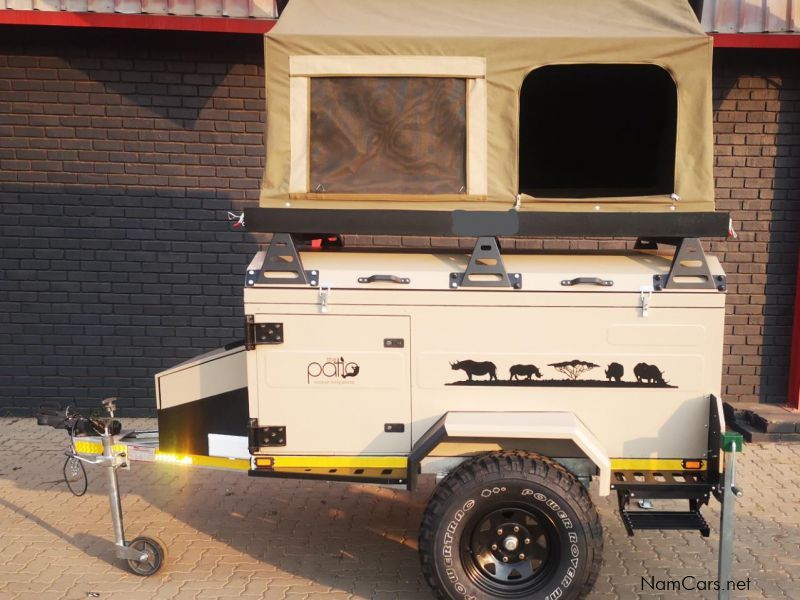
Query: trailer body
x=359 y=368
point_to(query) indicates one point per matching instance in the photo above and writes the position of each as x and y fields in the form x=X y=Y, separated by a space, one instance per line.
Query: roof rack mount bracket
x=486 y=268
x=282 y=265
x=689 y=269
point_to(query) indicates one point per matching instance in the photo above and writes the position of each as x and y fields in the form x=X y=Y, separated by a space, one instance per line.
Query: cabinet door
x=340 y=384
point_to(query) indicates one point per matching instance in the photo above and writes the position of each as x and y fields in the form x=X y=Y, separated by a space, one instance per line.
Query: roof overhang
x=136 y=21
x=764 y=41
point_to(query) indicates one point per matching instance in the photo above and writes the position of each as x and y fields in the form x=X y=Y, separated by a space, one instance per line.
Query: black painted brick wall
x=120 y=155
x=121 y=152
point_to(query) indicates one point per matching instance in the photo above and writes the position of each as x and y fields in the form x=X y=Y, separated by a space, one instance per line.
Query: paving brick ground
x=231 y=536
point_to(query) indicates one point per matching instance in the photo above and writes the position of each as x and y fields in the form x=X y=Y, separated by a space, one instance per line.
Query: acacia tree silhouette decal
x=573 y=369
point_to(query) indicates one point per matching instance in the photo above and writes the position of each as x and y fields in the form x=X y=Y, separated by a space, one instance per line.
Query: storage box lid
x=539 y=272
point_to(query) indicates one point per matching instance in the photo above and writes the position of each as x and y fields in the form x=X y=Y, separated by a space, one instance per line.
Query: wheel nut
x=522 y=557
x=505 y=559
x=516 y=529
x=494 y=546
x=527 y=541
x=499 y=532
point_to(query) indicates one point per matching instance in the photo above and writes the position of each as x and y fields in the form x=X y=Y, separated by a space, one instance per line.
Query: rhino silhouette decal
x=649 y=374
x=471 y=367
x=573 y=375
x=527 y=371
x=615 y=371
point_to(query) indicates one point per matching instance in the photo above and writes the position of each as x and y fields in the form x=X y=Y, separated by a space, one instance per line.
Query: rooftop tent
x=574 y=105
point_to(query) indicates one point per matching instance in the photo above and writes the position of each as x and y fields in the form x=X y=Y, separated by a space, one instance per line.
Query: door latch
x=645 y=294
x=324 y=294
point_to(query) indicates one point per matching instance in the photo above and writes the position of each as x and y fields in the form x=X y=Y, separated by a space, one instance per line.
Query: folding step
x=673 y=520
x=696 y=493
x=662 y=484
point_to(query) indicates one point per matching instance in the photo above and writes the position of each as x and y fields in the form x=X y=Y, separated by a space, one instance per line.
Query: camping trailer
x=514 y=377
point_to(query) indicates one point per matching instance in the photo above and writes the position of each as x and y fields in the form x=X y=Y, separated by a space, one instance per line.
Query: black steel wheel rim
x=509 y=550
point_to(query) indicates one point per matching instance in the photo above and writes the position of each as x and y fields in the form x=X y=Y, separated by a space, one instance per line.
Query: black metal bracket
x=271 y=436
x=264 y=436
x=486 y=268
x=714 y=439
x=689 y=269
x=281 y=265
x=261 y=333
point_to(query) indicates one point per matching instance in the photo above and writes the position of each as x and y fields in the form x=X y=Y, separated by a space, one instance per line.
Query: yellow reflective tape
x=653 y=464
x=341 y=462
x=214 y=462
x=86 y=447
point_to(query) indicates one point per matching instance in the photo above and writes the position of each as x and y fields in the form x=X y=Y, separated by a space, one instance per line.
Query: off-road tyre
x=547 y=505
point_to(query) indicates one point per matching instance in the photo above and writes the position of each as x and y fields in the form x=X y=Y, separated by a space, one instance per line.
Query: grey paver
x=229 y=535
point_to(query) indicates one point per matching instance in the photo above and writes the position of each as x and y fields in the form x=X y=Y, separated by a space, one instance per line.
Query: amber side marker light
x=692 y=464
x=265 y=462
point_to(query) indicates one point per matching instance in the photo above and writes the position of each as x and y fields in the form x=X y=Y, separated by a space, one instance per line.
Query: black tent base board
x=486 y=223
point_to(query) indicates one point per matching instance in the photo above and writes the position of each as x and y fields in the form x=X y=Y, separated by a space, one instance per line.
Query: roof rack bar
x=477 y=223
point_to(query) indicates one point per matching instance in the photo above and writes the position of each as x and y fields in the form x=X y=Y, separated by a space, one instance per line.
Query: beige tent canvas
x=534 y=105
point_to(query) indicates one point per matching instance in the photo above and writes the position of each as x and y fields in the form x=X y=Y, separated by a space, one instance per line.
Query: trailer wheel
x=156 y=556
x=511 y=525
x=75 y=476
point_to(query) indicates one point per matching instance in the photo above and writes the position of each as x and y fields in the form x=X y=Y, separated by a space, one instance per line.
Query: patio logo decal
x=333 y=370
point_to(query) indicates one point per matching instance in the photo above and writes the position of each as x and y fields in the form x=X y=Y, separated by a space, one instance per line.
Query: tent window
x=590 y=131
x=388 y=135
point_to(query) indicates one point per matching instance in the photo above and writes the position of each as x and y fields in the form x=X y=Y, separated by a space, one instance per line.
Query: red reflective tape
x=119 y=21
x=757 y=40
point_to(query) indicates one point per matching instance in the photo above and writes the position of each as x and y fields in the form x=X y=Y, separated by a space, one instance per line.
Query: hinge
x=261 y=333
x=258 y=437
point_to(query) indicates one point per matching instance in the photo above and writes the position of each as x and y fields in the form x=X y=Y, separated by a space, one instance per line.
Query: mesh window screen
x=390 y=135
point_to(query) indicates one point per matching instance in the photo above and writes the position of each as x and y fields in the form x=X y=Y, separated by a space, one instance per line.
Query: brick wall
x=757 y=126
x=120 y=153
